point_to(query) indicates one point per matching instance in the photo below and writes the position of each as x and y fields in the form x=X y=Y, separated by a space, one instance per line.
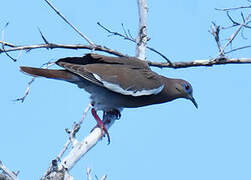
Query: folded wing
x=127 y=76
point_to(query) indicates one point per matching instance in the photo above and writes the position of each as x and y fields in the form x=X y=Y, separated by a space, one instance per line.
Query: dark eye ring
x=187 y=87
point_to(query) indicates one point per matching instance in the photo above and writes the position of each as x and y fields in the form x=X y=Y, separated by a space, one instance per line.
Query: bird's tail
x=49 y=73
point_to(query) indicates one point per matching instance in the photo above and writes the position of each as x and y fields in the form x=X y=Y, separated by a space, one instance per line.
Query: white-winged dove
x=116 y=82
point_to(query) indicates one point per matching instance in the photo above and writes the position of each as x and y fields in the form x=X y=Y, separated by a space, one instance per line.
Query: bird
x=115 y=83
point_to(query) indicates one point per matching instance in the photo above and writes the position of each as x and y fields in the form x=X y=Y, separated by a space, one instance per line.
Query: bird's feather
x=127 y=77
x=50 y=73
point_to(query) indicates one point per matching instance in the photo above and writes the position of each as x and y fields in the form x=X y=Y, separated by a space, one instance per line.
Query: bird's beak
x=193 y=101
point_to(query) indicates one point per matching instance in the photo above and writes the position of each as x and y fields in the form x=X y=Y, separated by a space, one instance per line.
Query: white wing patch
x=116 y=88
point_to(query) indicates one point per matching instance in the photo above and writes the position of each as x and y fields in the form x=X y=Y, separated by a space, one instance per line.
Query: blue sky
x=168 y=141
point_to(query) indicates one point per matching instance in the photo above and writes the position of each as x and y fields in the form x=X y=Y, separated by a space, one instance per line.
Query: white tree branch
x=88 y=172
x=142 y=30
x=201 y=62
x=8 y=172
x=72 y=140
x=81 y=148
x=89 y=177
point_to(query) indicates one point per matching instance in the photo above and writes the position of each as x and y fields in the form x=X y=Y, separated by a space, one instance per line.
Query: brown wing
x=128 y=78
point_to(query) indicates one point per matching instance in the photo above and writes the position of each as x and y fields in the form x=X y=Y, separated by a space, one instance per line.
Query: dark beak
x=193 y=101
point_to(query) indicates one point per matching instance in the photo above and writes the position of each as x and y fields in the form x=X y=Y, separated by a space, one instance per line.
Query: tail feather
x=50 y=73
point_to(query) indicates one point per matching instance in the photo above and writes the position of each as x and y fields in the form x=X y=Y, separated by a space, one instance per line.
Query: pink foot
x=100 y=124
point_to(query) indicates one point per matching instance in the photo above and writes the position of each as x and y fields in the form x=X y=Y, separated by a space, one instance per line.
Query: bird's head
x=185 y=90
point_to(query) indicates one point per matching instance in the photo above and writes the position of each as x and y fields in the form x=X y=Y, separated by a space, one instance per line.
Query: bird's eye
x=187 y=88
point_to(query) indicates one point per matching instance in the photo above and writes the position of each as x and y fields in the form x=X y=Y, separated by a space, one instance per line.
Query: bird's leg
x=100 y=124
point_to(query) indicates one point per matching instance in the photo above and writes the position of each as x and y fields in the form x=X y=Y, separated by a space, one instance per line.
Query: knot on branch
x=142 y=36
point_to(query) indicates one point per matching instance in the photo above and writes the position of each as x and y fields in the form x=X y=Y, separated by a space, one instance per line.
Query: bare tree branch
x=215 y=31
x=26 y=91
x=233 y=8
x=234 y=35
x=31 y=81
x=7 y=44
x=81 y=148
x=89 y=177
x=88 y=172
x=56 y=46
x=70 y=24
x=126 y=37
x=43 y=37
x=235 y=23
x=3 y=32
x=72 y=139
x=196 y=63
x=237 y=49
x=130 y=38
x=11 y=175
x=189 y=63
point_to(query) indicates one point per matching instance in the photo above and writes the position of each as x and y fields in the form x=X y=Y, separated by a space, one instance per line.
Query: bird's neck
x=169 y=91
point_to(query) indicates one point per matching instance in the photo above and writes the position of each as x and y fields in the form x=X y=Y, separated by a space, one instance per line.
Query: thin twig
x=85 y=114
x=88 y=172
x=7 y=44
x=232 y=9
x=159 y=53
x=47 y=65
x=215 y=31
x=43 y=37
x=70 y=24
x=234 y=35
x=125 y=31
x=117 y=33
x=104 y=177
x=96 y=177
x=235 y=23
x=237 y=49
x=3 y=31
x=26 y=91
x=128 y=37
